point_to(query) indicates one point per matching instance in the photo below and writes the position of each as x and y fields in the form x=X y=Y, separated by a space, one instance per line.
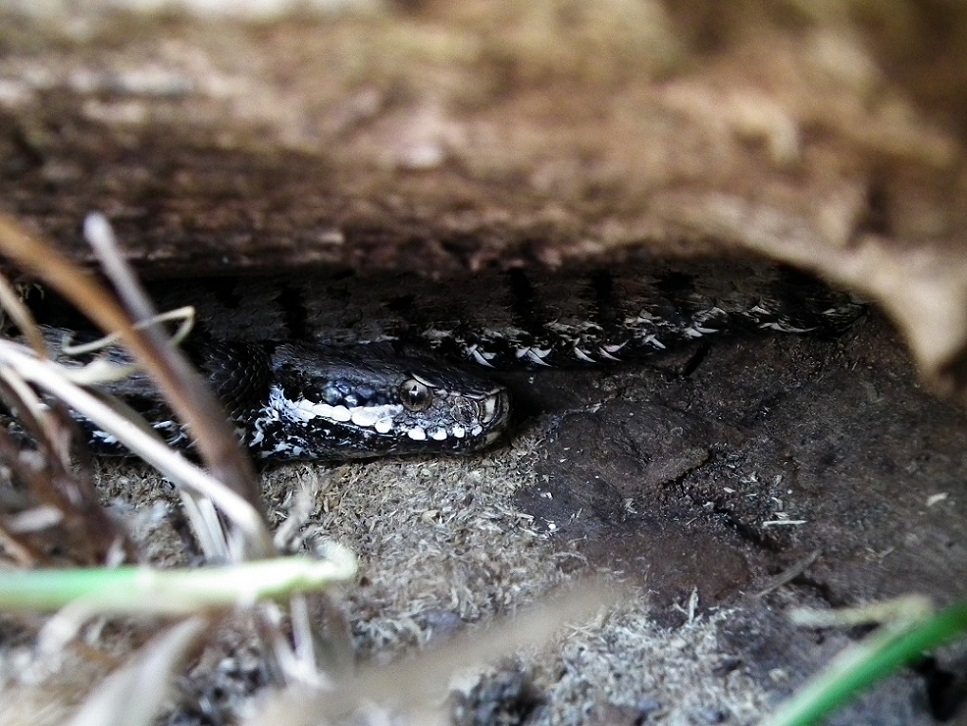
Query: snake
x=342 y=365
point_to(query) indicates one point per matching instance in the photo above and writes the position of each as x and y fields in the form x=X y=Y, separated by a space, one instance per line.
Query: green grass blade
x=878 y=656
x=144 y=590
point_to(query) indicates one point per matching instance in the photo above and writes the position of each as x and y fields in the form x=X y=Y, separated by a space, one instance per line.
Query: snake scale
x=343 y=365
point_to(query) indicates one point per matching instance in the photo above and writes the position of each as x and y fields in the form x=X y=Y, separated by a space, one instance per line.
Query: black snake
x=341 y=366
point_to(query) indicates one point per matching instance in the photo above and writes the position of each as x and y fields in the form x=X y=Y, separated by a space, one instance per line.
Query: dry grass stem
x=47 y=376
x=148 y=675
x=179 y=383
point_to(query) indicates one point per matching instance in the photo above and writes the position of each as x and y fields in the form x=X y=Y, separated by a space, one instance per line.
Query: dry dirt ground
x=723 y=485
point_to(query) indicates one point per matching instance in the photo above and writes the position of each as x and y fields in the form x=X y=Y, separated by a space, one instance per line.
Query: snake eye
x=415 y=395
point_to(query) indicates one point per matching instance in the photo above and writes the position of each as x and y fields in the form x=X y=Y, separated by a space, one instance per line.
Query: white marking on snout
x=383 y=426
x=365 y=415
x=308 y=410
x=338 y=413
x=416 y=433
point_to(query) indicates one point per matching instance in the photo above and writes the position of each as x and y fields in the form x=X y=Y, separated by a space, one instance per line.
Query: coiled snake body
x=358 y=366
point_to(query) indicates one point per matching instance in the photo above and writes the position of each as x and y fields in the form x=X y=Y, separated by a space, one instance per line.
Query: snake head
x=331 y=403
